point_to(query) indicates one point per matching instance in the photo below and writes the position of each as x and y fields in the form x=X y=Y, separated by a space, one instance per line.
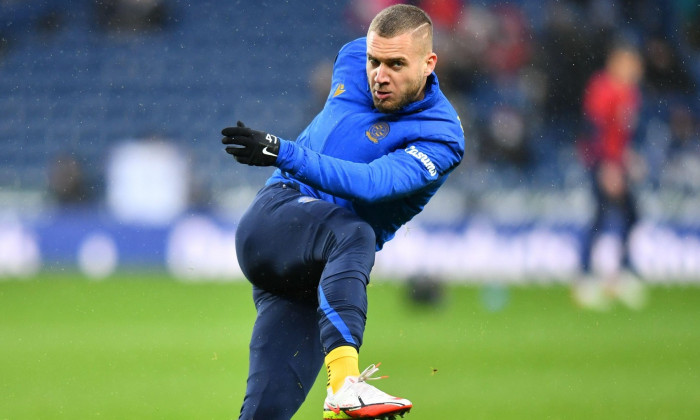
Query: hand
x=251 y=147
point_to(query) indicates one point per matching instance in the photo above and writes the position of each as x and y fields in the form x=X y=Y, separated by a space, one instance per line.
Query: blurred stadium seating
x=71 y=85
x=79 y=88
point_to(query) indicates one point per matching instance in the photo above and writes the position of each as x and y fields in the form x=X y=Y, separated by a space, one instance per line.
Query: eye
x=397 y=64
x=373 y=61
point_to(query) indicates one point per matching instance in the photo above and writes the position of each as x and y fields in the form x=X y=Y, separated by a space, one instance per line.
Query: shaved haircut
x=402 y=18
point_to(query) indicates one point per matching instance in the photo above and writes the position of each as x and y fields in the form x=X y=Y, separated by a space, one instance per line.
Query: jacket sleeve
x=389 y=177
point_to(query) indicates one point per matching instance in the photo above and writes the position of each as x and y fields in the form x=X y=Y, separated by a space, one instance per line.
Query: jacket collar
x=432 y=88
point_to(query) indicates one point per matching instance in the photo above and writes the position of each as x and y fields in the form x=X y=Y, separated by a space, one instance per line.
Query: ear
x=430 y=62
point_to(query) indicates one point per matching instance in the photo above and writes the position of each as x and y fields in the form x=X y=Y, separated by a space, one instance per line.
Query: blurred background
x=111 y=168
x=110 y=113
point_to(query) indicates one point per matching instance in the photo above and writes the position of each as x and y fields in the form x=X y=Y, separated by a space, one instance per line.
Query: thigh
x=283 y=240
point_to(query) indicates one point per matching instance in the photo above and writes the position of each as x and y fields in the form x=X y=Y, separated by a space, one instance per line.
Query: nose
x=381 y=75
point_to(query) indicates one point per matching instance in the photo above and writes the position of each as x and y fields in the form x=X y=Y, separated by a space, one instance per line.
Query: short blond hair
x=401 y=18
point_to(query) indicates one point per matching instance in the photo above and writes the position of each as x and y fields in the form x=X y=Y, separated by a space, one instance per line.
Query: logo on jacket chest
x=377 y=131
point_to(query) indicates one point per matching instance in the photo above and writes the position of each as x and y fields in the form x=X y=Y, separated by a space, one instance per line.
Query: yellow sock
x=341 y=362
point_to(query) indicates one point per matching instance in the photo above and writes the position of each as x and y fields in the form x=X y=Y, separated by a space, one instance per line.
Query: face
x=397 y=69
x=627 y=67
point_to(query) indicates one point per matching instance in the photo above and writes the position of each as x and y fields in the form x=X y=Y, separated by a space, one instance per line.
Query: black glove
x=251 y=147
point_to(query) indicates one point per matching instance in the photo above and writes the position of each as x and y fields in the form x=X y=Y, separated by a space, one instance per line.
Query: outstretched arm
x=392 y=176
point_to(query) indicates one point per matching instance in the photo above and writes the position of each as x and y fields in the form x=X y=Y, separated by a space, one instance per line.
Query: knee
x=357 y=234
x=353 y=250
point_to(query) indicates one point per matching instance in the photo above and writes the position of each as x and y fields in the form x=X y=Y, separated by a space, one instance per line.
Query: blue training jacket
x=384 y=167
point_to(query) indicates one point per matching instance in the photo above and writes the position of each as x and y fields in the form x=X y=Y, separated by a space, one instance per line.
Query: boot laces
x=366 y=374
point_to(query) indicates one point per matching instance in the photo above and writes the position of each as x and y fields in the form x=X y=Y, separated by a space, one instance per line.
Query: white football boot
x=629 y=290
x=358 y=399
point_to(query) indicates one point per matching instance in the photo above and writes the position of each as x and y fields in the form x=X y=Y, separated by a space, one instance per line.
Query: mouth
x=382 y=95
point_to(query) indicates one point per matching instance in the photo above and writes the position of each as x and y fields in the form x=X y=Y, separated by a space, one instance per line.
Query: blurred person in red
x=444 y=13
x=611 y=105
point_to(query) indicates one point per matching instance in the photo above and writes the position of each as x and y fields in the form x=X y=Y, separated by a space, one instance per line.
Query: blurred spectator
x=664 y=71
x=611 y=105
x=569 y=54
x=125 y=16
x=67 y=181
x=505 y=138
x=484 y=70
x=509 y=48
x=443 y=13
x=461 y=66
x=685 y=131
x=683 y=160
x=360 y=12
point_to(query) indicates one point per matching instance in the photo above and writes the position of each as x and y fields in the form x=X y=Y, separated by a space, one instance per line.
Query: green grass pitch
x=146 y=347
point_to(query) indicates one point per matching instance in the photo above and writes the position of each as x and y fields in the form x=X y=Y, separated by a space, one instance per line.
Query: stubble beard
x=409 y=96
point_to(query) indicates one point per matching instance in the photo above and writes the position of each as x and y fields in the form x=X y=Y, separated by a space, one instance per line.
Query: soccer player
x=383 y=144
x=611 y=105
